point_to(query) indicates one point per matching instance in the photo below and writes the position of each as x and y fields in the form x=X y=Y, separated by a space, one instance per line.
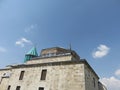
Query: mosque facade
x=54 y=69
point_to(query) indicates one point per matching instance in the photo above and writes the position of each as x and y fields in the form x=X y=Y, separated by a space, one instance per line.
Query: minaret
x=31 y=54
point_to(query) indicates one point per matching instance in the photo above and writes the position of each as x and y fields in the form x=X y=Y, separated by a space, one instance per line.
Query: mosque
x=55 y=68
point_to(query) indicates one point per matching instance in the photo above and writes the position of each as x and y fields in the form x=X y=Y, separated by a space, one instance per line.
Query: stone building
x=54 y=69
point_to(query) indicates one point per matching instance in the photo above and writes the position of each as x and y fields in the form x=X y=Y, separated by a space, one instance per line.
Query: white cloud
x=117 y=72
x=112 y=83
x=102 y=50
x=22 y=42
x=2 y=49
x=31 y=27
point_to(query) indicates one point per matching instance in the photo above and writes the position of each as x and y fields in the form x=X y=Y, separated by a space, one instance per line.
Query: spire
x=70 y=46
x=32 y=53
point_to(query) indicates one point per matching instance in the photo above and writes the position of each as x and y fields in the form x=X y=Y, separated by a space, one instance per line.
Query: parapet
x=55 y=54
x=57 y=51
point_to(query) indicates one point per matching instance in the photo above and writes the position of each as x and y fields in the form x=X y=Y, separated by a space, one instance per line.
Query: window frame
x=18 y=87
x=94 y=82
x=43 y=74
x=41 y=88
x=21 y=75
x=9 y=86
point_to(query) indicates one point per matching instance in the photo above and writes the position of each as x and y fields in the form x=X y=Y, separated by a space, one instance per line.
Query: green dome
x=32 y=53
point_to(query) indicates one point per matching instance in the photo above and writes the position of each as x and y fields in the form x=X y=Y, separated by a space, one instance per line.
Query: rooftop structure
x=31 y=54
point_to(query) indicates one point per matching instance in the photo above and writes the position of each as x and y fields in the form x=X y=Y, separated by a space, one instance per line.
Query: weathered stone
x=64 y=72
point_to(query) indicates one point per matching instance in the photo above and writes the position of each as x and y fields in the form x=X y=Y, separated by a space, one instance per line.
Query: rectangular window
x=18 y=88
x=41 y=88
x=9 y=87
x=43 y=74
x=21 y=75
x=94 y=81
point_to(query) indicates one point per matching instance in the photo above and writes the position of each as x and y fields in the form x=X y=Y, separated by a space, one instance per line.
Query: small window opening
x=43 y=74
x=41 y=88
x=9 y=87
x=21 y=75
x=18 y=88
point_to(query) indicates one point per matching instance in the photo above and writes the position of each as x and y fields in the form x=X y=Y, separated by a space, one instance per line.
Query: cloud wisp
x=21 y=42
x=117 y=72
x=2 y=49
x=112 y=82
x=30 y=28
x=101 y=51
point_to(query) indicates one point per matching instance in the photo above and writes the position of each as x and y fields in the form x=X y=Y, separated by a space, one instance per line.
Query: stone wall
x=63 y=73
x=91 y=80
x=59 y=77
x=50 y=59
x=101 y=86
x=4 y=79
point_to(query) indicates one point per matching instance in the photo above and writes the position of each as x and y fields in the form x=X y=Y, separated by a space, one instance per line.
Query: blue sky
x=91 y=26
